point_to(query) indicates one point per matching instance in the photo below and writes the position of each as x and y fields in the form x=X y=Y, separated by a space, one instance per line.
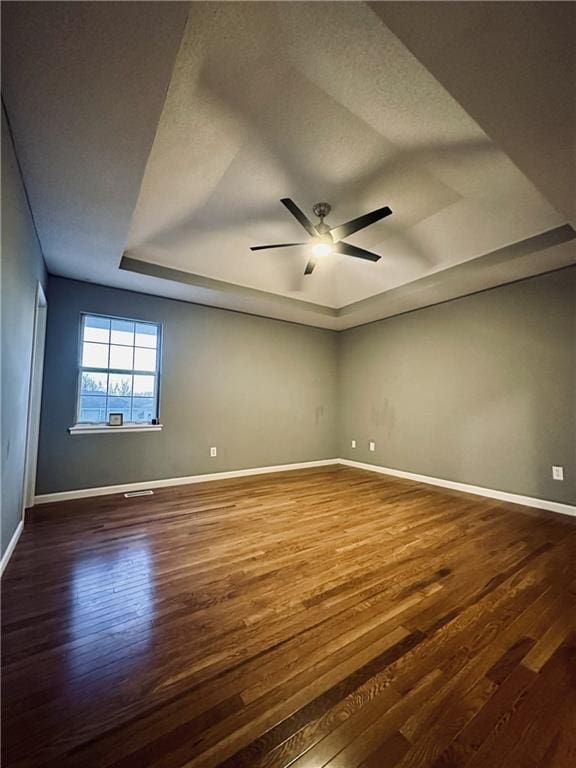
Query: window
x=119 y=370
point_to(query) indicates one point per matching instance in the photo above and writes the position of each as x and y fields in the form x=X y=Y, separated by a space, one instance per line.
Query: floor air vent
x=138 y=493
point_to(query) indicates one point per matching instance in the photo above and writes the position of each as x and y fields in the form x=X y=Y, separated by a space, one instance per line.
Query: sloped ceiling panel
x=84 y=86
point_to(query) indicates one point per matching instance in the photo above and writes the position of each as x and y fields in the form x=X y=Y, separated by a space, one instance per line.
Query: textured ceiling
x=515 y=74
x=84 y=85
x=217 y=119
x=319 y=102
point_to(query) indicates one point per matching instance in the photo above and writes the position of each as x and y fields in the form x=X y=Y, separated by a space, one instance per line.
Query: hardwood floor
x=328 y=617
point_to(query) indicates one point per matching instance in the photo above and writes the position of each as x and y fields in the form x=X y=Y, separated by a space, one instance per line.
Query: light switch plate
x=353 y=443
x=558 y=473
x=372 y=445
x=213 y=452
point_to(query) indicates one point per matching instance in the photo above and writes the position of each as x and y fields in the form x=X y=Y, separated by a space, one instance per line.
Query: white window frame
x=85 y=427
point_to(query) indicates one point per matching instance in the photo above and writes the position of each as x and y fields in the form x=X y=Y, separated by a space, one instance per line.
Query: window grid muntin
x=131 y=372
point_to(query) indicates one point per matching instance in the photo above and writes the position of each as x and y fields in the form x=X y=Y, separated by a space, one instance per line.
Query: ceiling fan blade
x=310 y=266
x=299 y=215
x=345 y=230
x=278 y=245
x=347 y=249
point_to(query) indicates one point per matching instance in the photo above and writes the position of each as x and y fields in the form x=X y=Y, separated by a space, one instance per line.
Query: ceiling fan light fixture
x=322 y=249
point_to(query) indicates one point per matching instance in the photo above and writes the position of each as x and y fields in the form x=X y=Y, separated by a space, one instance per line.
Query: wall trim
x=106 y=429
x=477 y=490
x=11 y=546
x=491 y=493
x=48 y=498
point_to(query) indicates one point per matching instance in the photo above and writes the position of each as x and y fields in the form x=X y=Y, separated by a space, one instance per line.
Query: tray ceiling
x=242 y=105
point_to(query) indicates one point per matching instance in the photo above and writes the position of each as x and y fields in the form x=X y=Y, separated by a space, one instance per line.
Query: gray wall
x=481 y=390
x=22 y=266
x=262 y=391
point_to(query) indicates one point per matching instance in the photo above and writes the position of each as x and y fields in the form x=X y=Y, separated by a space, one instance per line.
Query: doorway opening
x=35 y=398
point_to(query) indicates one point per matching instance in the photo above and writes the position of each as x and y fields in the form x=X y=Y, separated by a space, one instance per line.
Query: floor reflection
x=112 y=607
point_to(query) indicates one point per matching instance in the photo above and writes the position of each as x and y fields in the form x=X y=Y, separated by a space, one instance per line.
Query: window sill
x=105 y=429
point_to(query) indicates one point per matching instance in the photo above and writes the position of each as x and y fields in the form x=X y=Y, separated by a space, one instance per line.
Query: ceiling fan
x=325 y=239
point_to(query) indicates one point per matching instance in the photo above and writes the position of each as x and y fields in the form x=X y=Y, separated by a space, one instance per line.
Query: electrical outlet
x=372 y=445
x=353 y=443
x=558 y=473
x=213 y=452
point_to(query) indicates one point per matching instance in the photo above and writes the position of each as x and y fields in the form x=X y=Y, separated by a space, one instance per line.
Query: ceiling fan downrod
x=321 y=210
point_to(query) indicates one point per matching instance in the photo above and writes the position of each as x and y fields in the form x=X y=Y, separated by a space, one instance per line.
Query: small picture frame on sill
x=115 y=419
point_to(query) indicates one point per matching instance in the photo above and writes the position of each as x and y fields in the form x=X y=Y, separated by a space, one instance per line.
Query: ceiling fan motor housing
x=321 y=209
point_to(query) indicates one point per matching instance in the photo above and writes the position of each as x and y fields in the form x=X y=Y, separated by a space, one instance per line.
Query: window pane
x=144 y=359
x=110 y=344
x=94 y=355
x=122 y=332
x=121 y=357
x=143 y=409
x=92 y=408
x=97 y=329
x=120 y=384
x=94 y=382
x=146 y=335
x=144 y=386
x=119 y=405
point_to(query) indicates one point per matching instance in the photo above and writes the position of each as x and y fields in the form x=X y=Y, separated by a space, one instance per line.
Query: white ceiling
x=315 y=101
x=84 y=85
x=512 y=65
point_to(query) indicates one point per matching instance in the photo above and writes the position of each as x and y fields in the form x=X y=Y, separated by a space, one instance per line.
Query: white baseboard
x=527 y=501
x=11 y=546
x=514 y=498
x=83 y=493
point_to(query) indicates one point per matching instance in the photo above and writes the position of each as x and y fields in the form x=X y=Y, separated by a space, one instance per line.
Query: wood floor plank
x=491 y=719
x=325 y=617
x=532 y=730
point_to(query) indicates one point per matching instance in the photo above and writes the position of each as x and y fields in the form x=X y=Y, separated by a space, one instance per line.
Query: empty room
x=288 y=393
